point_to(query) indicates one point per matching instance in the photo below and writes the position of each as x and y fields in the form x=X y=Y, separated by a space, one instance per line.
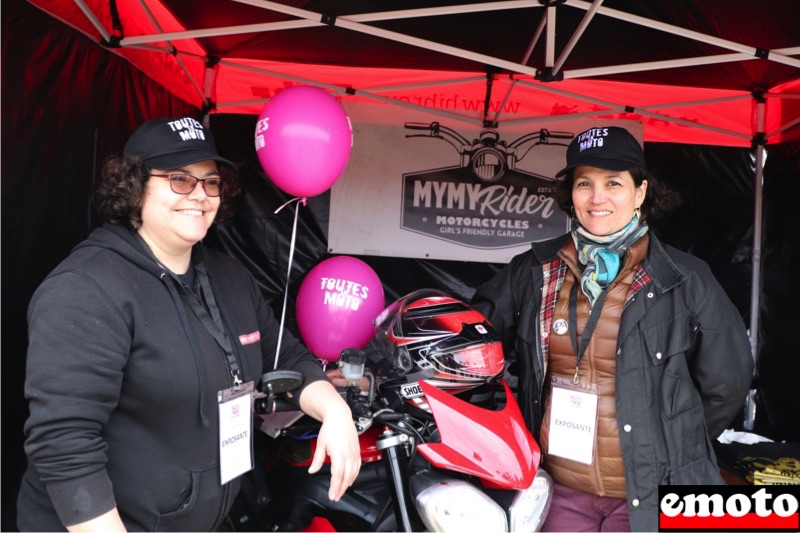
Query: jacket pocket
x=200 y=508
x=669 y=338
x=666 y=345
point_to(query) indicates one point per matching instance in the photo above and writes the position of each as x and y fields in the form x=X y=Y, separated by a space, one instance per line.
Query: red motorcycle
x=444 y=445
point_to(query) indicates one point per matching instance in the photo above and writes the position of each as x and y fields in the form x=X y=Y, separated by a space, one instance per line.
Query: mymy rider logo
x=729 y=508
x=485 y=201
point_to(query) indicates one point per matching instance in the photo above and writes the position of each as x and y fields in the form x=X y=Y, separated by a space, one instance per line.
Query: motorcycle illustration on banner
x=444 y=446
x=485 y=201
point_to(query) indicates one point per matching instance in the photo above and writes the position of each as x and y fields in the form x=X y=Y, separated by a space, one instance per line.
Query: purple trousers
x=573 y=510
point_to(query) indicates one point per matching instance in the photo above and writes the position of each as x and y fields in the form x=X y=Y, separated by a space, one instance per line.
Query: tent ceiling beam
x=221 y=31
x=436 y=83
x=550 y=37
x=682 y=32
x=640 y=110
x=311 y=19
x=342 y=91
x=536 y=36
x=688 y=103
x=656 y=65
x=427 y=11
x=348 y=23
x=584 y=24
x=89 y=14
x=785 y=127
x=204 y=95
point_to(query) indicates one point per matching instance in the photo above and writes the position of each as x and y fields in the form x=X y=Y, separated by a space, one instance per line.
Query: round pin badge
x=560 y=326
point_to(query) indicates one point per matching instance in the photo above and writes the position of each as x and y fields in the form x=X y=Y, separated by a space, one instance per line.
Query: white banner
x=422 y=186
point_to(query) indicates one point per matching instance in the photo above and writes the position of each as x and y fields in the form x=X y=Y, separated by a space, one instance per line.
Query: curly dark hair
x=659 y=198
x=118 y=198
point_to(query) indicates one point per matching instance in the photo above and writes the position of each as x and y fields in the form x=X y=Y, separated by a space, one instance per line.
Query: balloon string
x=288 y=274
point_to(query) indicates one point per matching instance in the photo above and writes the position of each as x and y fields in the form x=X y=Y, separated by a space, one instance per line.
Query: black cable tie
x=330 y=20
x=762 y=53
x=548 y=3
x=758 y=96
x=350 y=91
x=212 y=61
x=759 y=139
x=629 y=109
x=112 y=42
x=208 y=106
x=546 y=74
x=490 y=124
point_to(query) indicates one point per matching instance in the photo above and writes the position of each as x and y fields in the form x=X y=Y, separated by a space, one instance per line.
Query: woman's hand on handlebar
x=337 y=437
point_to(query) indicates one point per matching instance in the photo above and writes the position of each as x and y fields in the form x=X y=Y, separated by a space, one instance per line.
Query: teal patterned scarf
x=602 y=254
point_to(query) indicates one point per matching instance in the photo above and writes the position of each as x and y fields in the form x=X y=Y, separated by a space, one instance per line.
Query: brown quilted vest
x=606 y=475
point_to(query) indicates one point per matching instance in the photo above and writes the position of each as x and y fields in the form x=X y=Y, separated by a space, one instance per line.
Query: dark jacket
x=684 y=366
x=122 y=379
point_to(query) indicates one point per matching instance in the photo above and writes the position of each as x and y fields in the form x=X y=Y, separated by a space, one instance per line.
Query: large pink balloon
x=337 y=302
x=303 y=140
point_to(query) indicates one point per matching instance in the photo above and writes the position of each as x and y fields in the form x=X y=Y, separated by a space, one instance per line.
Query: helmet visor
x=479 y=361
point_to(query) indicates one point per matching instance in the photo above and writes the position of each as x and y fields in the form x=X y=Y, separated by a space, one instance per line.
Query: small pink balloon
x=303 y=140
x=336 y=304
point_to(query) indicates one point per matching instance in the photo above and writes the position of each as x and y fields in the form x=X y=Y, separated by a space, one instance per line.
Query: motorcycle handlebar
x=265 y=406
x=418 y=126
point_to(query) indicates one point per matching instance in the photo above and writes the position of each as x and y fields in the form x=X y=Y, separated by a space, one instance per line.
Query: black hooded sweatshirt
x=122 y=380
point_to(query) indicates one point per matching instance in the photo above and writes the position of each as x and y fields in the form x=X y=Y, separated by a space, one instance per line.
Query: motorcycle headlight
x=455 y=505
x=530 y=506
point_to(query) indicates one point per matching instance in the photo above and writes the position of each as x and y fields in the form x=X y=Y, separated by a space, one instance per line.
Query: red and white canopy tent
x=717 y=73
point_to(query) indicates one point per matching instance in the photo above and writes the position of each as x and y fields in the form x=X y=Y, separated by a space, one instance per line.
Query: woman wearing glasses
x=144 y=348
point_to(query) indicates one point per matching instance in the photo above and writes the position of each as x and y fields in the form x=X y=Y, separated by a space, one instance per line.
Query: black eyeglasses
x=185 y=183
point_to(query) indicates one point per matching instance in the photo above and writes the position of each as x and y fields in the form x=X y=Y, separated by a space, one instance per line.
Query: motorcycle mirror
x=280 y=381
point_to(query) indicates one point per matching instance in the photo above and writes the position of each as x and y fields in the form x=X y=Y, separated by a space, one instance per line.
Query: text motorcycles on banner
x=484 y=201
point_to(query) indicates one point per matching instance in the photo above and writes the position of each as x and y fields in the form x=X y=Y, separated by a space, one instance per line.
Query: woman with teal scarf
x=629 y=354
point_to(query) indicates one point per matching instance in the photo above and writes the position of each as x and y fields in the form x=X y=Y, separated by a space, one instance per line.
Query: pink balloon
x=303 y=140
x=337 y=302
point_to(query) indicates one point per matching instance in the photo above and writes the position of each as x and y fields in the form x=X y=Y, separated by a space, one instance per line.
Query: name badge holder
x=573 y=420
x=235 y=430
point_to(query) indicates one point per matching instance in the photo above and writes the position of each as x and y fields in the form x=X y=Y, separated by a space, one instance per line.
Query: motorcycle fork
x=392 y=447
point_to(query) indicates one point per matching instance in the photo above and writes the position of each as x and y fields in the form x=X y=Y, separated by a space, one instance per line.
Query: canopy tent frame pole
x=342 y=90
x=682 y=32
x=351 y=22
x=424 y=84
x=525 y=58
x=648 y=66
x=755 y=284
x=788 y=125
x=609 y=105
x=576 y=35
x=641 y=110
x=89 y=14
x=204 y=95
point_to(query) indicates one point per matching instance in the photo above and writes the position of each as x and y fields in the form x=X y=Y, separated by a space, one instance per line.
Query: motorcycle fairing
x=492 y=445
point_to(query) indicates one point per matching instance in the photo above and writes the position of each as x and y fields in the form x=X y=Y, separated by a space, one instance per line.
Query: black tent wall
x=67 y=102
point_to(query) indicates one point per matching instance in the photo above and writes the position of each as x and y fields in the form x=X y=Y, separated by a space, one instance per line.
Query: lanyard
x=212 y=322
x=591 y=323
x=210 y=317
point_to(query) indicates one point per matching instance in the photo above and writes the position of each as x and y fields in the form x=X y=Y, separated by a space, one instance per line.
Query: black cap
x=609 y=148
x=169 y=143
